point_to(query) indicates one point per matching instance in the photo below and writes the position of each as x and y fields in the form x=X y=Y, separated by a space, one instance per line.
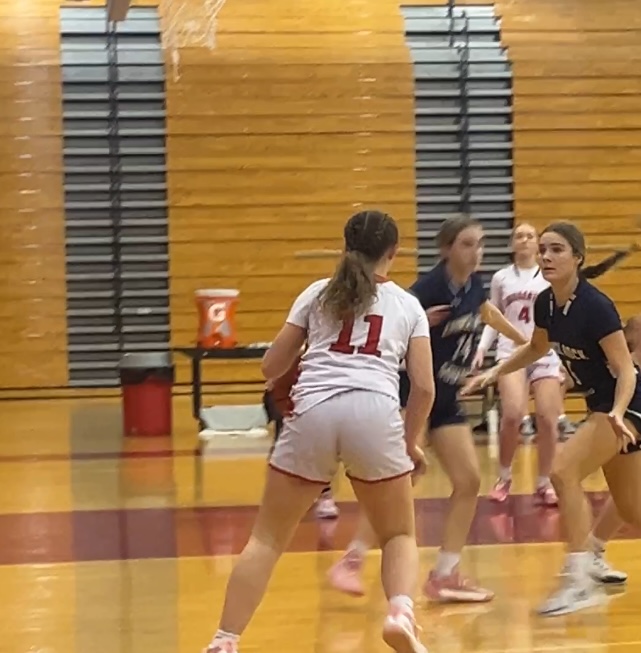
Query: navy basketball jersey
x=454 y=341
x=574 y=331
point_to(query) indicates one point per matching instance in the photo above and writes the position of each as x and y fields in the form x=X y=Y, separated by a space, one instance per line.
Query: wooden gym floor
x=115 y=546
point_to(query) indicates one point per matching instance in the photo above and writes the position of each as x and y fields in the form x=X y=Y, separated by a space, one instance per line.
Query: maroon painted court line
x=87 y=535
x=101 y=455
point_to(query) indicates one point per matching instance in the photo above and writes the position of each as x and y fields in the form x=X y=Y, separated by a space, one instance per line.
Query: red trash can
x=147 y=381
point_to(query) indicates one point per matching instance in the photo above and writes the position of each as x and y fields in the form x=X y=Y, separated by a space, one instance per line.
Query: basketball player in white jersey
x=358 y=327
x=513 y=291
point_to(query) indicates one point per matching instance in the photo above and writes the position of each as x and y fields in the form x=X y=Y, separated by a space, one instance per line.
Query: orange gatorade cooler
x=217 y=318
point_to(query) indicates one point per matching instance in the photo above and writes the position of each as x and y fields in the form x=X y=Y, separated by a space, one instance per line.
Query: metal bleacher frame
x=114 y=161
x=463 y=99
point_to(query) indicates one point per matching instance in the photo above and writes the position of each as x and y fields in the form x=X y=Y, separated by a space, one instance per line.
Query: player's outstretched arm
x=493 y=317
x=522 y=357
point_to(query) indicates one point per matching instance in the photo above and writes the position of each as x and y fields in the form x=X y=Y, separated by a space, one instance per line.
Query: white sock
x=505 y=473
x=527 y=421
x=358 y=548
x=578 y=564
x=446 y=562
x=596 y=545
x=542 y=481
x=563 y=417
x=223 y=634
x=402 y=603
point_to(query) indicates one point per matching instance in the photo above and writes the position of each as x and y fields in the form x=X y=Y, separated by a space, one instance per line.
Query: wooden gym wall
x=302 y=115
x=33 y=348
x=577 y=122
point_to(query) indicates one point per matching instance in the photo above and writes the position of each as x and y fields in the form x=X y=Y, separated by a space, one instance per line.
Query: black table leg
x=196 y=387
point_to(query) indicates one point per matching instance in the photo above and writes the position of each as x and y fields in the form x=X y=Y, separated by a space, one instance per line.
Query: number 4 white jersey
x=363 y=355
x=513 y=291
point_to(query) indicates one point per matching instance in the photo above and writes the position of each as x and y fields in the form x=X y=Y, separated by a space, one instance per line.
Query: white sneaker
x=222 y=645
x=527 y=428
x=326 y=508
x=572 y=596
x=566 y=429
x=400 y=632
x=602 y=572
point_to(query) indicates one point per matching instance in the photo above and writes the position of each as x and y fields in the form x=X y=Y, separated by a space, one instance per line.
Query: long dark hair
x=576 y=240
x=600 y=268
x=572 y=234
x=369 y=235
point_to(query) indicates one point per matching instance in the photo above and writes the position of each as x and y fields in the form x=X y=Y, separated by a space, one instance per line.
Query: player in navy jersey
x=513 y=290
x=583 y=326
x=608 y=521
x=455 y=302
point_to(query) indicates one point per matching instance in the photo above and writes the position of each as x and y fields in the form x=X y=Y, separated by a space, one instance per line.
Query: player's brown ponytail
x=369 y=236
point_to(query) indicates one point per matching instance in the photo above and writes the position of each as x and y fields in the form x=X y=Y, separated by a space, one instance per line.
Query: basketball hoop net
x=189 y=24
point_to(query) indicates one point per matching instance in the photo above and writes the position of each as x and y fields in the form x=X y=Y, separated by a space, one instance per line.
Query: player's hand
x=436 y=314
x=623 y=433
x=479 y=359
x=420 y=462
x=480 y=381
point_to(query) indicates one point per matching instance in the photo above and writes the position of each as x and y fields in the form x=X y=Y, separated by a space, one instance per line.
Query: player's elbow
x=491 y=316
x=624 y=369
x=538 y=348
x=424 y=389
x=274 y=364
x=422 y=384
x=539 y=343
x=418 y=363
x=268 y=368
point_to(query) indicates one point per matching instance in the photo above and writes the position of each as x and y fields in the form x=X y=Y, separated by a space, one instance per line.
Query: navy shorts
x=634 y=416
x=447 y=409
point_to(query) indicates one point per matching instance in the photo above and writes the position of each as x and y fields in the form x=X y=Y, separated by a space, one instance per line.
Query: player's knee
x=630 y=513
x=546 y=423
x=266 y=546
x=396 y=535
x=511 y=421
x=468 y=484
x=563 y=474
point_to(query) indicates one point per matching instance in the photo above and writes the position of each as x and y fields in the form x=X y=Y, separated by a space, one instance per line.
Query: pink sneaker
x=546 y=496
x=222 y=645
x=400 y=632
x=501 y=490
x=345 y=575
x=326 y=508
x=455 y=589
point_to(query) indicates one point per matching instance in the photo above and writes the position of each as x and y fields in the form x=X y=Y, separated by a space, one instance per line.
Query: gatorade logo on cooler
x=217 y=319
x=217 y=312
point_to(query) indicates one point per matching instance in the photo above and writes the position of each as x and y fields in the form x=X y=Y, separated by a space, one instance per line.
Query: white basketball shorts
x=547 y=367
x=362 y=429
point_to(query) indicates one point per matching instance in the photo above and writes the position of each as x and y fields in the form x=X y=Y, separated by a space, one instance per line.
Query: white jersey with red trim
x=360 y=355
x=513 y=291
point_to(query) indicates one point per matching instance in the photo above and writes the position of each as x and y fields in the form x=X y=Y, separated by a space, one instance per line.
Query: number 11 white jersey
x=363 y=355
